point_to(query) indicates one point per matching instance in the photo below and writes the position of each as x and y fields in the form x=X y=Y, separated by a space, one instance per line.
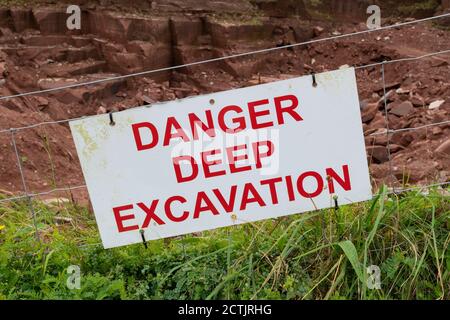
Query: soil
x=38 y=52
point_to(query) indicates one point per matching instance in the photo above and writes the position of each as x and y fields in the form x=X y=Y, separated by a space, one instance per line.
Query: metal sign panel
x=225 y=158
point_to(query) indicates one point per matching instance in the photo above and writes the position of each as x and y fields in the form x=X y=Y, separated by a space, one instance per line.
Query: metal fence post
x=25 y=188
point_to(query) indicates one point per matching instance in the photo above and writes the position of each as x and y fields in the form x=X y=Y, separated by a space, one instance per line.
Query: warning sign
x=225 y=158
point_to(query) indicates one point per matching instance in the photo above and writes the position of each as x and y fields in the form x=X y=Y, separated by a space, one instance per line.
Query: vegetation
x=425 y=8
x=318 y=255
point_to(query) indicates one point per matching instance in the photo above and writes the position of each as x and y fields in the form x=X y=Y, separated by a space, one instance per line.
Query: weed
x=317 y=255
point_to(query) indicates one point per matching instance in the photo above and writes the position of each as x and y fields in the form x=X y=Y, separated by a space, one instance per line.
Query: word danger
x=256 y=111
x=240 y=198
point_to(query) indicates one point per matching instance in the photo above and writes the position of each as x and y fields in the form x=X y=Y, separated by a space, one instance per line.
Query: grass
x=417 y=6
x=318 y=255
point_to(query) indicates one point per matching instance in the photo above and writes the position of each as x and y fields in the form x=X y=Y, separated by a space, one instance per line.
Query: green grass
x=418 y=6
x=318 y=255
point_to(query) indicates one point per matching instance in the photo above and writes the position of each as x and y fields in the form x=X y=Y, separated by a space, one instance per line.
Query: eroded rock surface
x=37 y=52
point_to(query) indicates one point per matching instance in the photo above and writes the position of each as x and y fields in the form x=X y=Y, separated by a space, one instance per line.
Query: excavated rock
x=38 y=52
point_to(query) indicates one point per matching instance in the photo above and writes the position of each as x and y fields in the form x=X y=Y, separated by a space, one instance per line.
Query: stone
x=55 y=201
x=369 y=112
x=439 y=63
x=402 y=109
x=444 y=148
x=41 y=101
x=417 y=101
x=381 y=140
x=378 y=154
x=3 y=69
x=436 y=104
x=318 y=31
x=379 y=122
x=389 y=85
x=363 y=104
x=101 y=110
x=147 y=100
x=395 y=148
x=390 y=97
x=437 y=131
x=62 y=219
x=402 y=91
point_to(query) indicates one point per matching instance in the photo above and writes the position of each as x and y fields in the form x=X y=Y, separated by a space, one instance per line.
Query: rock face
x=282 y=8
x=129 y=43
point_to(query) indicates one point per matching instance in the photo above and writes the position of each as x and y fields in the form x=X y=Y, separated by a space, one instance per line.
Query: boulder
x=369 y=112
x=378 y=154
x=318 y=31
x=402 y=109
x=402 y=139
x=417 y=101
x=436 y=104
x=444 y=148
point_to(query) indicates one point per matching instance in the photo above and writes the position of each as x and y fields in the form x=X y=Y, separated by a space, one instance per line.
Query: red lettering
x=273 y=191
x=290 y=188
x=208 y=163
x=344 y=183
x=259 y=155
x=120 y=219
x=168 y=209
x=233 y=158
x=290 y=109
x=254 y=114
x=301 y=188
x=137 y=136
x=246 y=199
x=150 y=213
x=176 y=164
x=172 y=123
x=195 y=121
x=203 y=197
x=228 y=206
x=240 y=121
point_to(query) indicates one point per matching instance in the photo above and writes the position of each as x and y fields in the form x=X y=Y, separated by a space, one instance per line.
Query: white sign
x=225 y=158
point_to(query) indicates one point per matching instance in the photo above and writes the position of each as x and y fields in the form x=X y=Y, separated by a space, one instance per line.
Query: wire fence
x=27 y=195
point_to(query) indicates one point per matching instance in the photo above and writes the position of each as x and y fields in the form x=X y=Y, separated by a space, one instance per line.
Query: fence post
x=25 y=189
x=388 y=131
